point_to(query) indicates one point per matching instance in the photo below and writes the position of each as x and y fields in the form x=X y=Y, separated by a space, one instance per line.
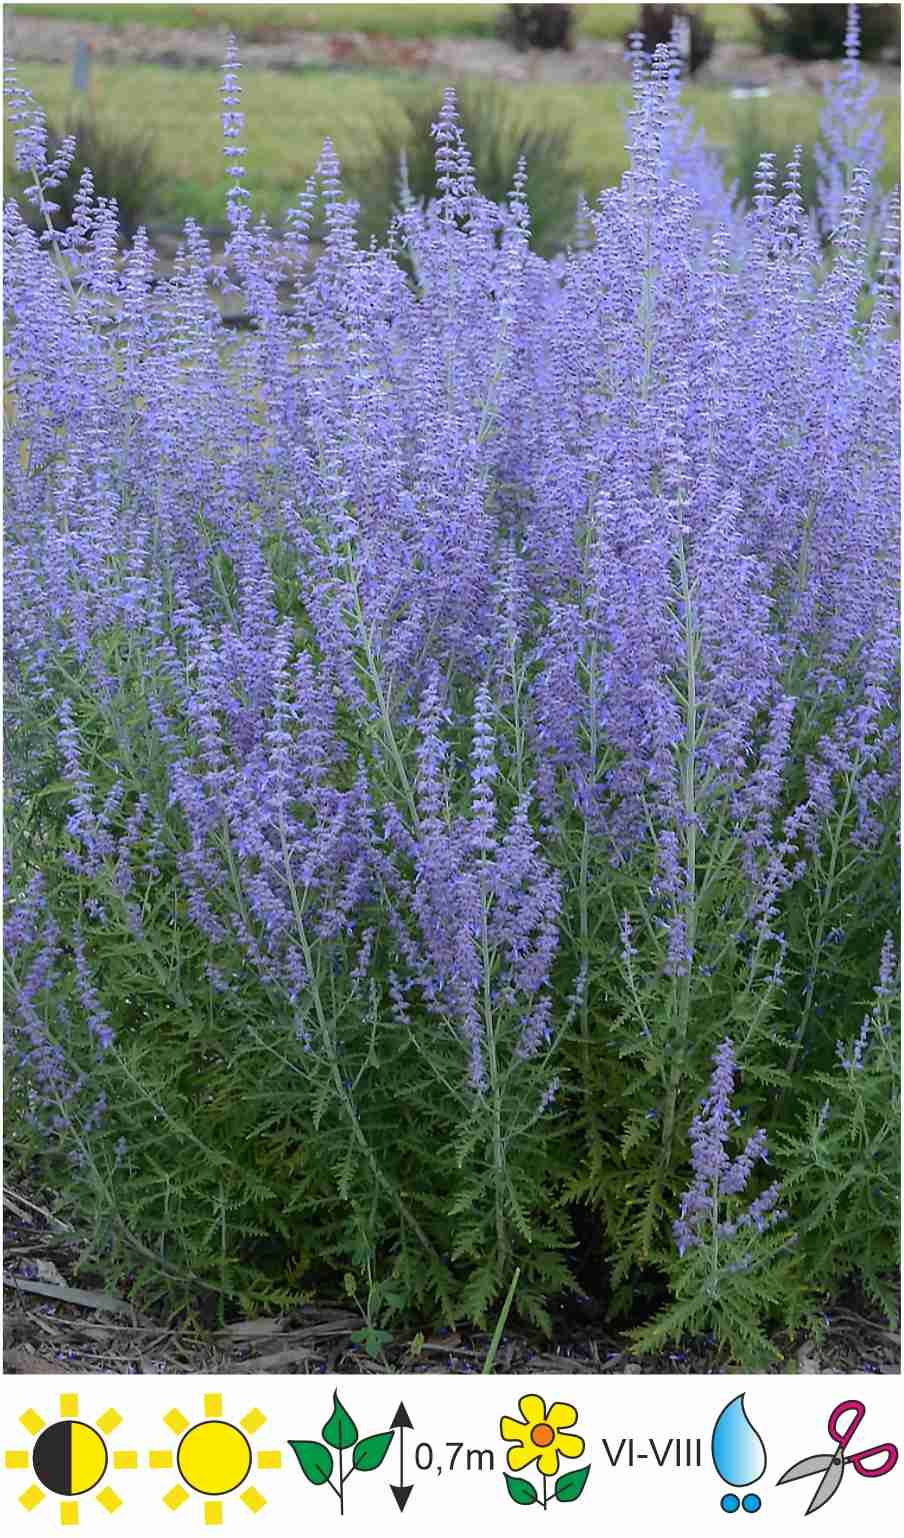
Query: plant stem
x=495 y=1086
x=690 y=875
x=328 y=1037
x=824 y=910
x=500 y=1325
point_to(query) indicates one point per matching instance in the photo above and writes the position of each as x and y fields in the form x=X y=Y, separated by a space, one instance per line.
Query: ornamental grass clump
x=441 y=718
x=399 y=162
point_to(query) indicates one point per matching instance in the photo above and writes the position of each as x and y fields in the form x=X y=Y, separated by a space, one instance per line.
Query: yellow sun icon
x=69 y=1458
x=214 y=1457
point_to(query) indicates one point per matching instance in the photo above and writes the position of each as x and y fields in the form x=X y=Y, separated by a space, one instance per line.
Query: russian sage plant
x=736 y=1242
x=442 y=718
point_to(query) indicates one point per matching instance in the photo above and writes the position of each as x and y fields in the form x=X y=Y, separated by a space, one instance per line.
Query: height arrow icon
x=400 y=1421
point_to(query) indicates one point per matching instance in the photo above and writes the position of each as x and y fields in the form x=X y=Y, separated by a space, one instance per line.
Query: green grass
x=732 y=22
x=289 y=115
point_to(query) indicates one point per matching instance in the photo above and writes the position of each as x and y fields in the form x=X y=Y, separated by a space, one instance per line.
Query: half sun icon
x=69 y=1458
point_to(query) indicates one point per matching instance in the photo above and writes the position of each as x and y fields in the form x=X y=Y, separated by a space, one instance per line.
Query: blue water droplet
x=751 y=1503
x=729 y=1503
x=738 y=1451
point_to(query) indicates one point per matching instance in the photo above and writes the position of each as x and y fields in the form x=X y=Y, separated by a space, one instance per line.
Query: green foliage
x=538 y=26
x=340 y=1430
x=291 y=115
x=817 y=31
x=123 y=159
x=371 y=1451
x=320 y=1467
x=315 y=1461
x=234 y=1155
x=569 y=1486
x=843 y=1167
x=521 y=1491
x=754 y=137
x=735 y=1305
x=657 y=22
x=265 y=23
x=497 y=134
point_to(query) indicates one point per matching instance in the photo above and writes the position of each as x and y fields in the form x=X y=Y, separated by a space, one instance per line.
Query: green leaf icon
x=569 y=1486
x=370 y=1452
x=340 y=1430
x=315 y=1459
x=520 y=1490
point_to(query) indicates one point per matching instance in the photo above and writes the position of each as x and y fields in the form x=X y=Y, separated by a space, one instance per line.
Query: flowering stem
x=583 y=899
x=647 y=305
x=715 y=1244
x=495 y=1086
x=825 y=908
x=54 y=236
x=690 y=875
x=328 y=1037
x=385 y=719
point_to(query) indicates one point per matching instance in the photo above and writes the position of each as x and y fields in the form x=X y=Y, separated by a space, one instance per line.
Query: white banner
x=445 y=1454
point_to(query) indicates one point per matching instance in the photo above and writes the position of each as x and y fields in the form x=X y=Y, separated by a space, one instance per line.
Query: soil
x=59 y=1318
x=54 y=41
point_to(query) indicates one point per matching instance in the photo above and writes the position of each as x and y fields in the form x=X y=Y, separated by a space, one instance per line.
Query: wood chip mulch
x=56 y=1322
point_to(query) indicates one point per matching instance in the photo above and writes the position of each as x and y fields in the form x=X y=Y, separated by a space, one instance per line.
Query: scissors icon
x=832 y=1465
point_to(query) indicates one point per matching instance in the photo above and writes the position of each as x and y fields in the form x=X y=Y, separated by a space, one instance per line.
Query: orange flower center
x=542 y=1435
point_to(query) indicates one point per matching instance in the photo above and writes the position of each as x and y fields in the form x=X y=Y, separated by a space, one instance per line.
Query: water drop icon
x=738 y=1454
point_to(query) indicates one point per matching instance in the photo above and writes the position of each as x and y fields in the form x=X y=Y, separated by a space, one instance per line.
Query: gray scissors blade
x=807 y=1466
x=829 y=1483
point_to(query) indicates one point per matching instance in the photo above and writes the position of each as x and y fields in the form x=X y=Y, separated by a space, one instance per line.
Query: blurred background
x=140 y=85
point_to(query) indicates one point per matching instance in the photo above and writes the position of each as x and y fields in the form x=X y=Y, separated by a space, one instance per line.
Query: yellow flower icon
x=542 y=1435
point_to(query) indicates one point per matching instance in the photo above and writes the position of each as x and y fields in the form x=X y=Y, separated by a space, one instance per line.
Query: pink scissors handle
x=843 y=1437
x=885 y=1467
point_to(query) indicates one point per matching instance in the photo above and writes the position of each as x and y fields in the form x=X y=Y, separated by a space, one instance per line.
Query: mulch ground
x=60 y=1318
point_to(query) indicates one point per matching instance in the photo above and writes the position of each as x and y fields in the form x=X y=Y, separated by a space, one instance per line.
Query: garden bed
x=48 y=1329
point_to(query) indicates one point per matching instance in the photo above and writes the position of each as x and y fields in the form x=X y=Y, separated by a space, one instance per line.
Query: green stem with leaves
x=689 y=808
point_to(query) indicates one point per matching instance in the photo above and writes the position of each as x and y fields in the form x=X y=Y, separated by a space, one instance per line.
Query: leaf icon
x=370 y=1452
x=521 y=1491
x=315 y=1459
x=569 y=1486
x=340 y=1430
